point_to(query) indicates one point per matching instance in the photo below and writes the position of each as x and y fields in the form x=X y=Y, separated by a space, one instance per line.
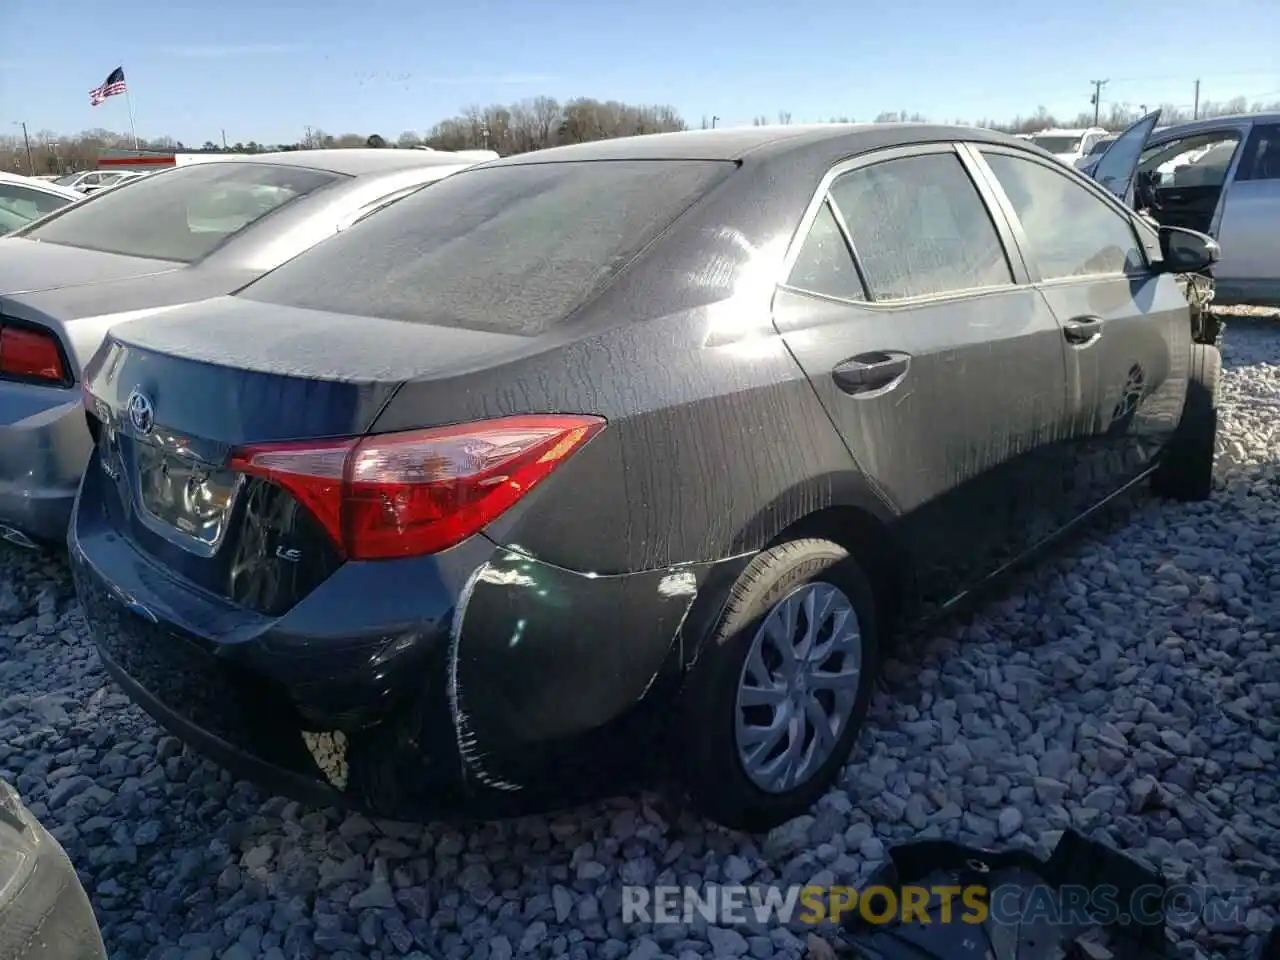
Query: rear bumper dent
x=514 y=685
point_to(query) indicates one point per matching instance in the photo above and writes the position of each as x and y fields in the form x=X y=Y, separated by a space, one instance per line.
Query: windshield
x=507 y=249
x=1101 y=145
x=68 y=180
x=1056 y=144
x=181 y=214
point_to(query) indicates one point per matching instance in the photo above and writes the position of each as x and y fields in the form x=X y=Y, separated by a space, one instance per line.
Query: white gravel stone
x=1127 y=687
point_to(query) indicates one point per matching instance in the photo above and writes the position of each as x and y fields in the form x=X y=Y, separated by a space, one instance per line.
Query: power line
x=1174 y=77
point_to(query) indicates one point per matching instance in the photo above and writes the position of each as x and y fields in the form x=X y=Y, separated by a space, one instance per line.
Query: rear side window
x=182 y=214
x=921 y=228
x=504 y=249
x=825 y=263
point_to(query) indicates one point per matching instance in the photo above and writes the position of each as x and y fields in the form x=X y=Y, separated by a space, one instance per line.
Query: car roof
x=1067 y=131
x=1212 y=123
x=737 y=143
x=355 y=161
x=47 y=186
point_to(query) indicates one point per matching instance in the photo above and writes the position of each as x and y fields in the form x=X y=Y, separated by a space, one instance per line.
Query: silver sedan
x=155 y=243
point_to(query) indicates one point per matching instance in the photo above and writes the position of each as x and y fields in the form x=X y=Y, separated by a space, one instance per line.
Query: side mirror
x=1187 y=251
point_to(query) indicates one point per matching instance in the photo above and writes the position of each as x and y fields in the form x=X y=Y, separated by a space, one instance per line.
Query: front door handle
x=870 y=371
x=1082 y=331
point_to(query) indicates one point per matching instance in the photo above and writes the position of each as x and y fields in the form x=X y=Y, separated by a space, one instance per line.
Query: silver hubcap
x=798 y=686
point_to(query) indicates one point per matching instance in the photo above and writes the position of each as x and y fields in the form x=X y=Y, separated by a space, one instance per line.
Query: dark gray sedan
x=622 y=455
x=176 y=237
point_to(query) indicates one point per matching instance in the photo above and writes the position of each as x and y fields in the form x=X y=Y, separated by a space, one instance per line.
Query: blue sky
x=265 y=70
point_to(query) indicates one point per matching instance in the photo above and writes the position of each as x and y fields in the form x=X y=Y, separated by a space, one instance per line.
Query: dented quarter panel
x=545 y=659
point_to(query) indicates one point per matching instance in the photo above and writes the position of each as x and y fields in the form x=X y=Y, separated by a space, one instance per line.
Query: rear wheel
x=1186 y=471
x=772 y=706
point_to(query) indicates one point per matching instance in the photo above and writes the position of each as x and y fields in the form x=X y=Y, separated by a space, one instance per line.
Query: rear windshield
x=504 y=249
x=181 y=214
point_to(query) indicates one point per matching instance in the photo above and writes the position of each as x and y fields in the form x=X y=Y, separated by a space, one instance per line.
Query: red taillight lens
x=420 y=492
x=30 y=353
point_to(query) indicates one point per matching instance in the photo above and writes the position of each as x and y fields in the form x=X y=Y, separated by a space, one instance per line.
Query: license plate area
x=184 y=500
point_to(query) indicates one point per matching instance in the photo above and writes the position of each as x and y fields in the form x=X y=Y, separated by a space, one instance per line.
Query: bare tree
x=538 y=123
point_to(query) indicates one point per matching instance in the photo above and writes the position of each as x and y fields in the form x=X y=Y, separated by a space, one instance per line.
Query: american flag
x=113 y=85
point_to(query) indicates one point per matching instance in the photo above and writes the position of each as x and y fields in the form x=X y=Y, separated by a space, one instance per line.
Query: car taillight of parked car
x=30 y=354
x=421 y=491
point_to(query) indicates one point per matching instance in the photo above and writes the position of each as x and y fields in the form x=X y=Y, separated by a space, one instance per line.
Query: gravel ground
x=1128 y=688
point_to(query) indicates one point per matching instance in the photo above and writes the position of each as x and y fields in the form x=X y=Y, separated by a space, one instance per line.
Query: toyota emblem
x=141 y=413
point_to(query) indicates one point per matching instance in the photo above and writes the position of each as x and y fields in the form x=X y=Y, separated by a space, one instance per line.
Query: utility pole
x=31 y=164
x=1097 y=98
x=224 y=139
x=1195 y=110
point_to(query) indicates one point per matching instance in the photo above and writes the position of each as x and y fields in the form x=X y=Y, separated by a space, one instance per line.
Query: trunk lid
x=171 y=396
x=27 y=266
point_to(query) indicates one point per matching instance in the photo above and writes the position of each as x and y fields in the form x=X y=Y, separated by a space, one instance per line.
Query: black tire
x=1185 y=472
x=712 y=770
x=44 y=912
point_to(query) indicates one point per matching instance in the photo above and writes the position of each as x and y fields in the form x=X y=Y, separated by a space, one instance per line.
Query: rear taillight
x=31 y=354
x=420 y=492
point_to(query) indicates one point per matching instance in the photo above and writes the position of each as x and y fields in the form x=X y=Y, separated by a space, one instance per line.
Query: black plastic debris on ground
x=1076 y=864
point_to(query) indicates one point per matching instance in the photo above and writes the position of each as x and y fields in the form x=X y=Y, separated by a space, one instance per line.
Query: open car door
x=1115 y=169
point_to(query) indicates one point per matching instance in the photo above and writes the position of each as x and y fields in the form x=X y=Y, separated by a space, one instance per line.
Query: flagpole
x=133 y=129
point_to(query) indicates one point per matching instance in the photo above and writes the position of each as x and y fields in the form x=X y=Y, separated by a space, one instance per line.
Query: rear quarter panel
x=716 y=441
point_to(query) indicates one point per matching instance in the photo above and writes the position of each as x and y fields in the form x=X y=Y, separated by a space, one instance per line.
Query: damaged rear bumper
x=478 y=682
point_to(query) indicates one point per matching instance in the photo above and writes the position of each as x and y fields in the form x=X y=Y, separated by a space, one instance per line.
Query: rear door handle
x=1082 y=331
x=870 y=371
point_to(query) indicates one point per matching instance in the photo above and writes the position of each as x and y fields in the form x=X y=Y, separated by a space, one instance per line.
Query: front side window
x=920 y=228
x=182 y=214
x=20 y=205
x=1070 y=232
x=825 y=263
x=1196 y=161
